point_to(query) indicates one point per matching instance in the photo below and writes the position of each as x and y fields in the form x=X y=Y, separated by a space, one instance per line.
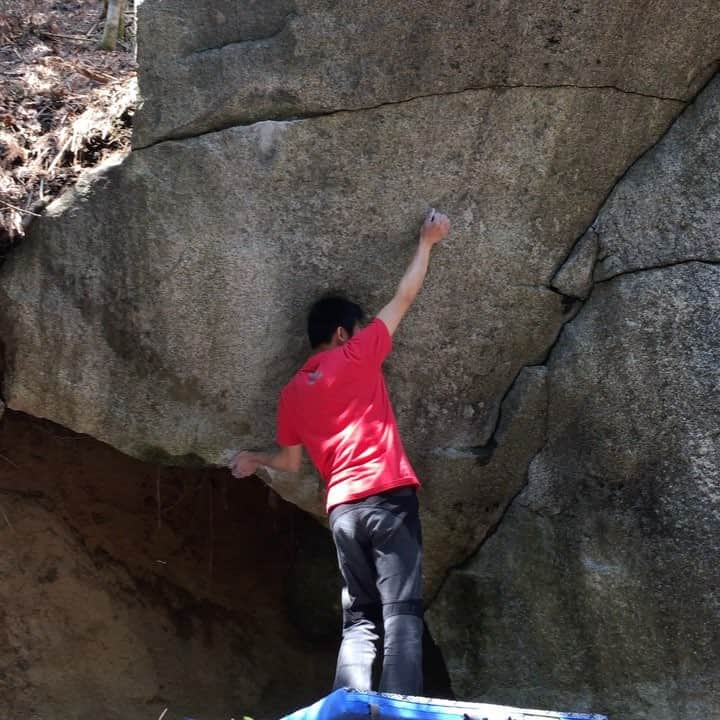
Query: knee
x=406 y=630
x=365 y=620
x=412 y=608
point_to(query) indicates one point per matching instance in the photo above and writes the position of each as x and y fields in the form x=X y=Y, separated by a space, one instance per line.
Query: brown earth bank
x=129 y=587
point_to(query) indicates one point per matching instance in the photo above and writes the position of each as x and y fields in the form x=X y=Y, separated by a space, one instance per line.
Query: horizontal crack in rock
x=661 y=266
x=391 y=103
x=604 y=201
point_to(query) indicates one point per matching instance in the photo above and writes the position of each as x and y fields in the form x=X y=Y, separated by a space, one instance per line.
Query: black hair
x=328 y=314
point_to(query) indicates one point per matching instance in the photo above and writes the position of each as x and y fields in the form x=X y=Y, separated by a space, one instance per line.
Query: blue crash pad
x=355 y=705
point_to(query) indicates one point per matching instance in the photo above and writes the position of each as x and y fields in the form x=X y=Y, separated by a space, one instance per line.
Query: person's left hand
x=243 y=464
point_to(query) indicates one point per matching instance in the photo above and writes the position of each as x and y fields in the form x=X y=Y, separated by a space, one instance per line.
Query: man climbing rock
x=337 y=407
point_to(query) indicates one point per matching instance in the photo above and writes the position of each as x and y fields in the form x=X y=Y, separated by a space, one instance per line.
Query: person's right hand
x=435 y=228
x=244 y=464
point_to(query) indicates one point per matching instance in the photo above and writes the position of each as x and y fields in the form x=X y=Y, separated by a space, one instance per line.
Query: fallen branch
x=82 y=38
x=96 y=74
x=7 y=520
x=17 y=209
x=61 y=152
x=8 y=461
x=21 y=493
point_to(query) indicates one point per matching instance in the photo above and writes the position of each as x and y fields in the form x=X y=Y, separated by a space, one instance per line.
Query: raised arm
x=434 y=229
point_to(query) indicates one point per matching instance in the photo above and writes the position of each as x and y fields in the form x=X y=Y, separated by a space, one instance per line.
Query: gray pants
x=379 y=548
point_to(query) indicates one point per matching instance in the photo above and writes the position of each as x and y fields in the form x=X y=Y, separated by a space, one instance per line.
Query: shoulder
x=373 y=342
x=378 y=326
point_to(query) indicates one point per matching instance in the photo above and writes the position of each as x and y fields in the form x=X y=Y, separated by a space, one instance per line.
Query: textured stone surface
x=599 y=590
x=215 y=63
x=667 y=209
x=161 y=305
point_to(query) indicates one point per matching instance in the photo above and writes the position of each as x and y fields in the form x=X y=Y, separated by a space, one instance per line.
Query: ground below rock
x=115 y=606
x=129 y=587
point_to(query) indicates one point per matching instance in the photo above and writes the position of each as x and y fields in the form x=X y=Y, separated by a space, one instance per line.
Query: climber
x=337 y=407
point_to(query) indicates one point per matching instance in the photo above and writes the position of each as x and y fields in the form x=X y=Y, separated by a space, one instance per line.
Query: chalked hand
x=243 y=465
x=435 y=228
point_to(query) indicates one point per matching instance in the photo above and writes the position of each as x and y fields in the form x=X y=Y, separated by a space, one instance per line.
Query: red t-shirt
x=337 y=406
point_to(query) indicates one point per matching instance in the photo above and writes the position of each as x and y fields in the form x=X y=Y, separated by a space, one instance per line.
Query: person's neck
x=324 y=347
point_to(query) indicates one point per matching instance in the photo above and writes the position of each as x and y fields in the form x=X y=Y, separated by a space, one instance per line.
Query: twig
x=159 y=499
x=66 y=37
x=8 y=461
x=92 y=29
x=21 y=493
x=17 y=209
x=98 y=75
x=61 y=152
x=7 y=520
x=211 y=557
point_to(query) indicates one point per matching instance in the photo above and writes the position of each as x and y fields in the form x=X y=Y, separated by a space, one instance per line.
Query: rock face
x=667 y=209
x=174 y=323
x=169 y=328
x=216 y=63
x=600 y=587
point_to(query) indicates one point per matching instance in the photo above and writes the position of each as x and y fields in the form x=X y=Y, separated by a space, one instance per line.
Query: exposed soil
x=202 y=589
x=127 y=586
x=64 y=104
